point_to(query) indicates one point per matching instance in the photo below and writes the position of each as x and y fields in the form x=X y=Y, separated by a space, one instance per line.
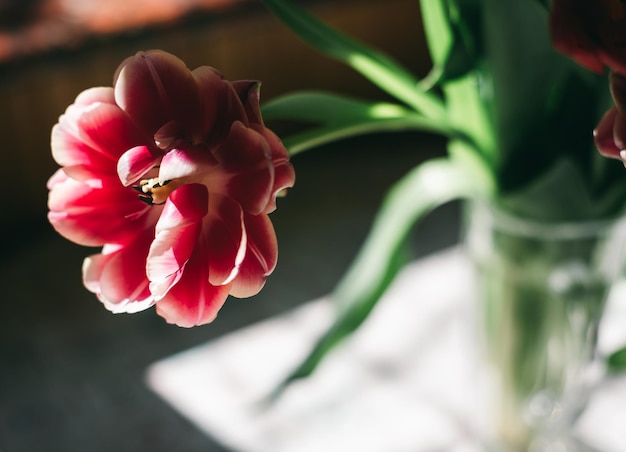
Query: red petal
x=284 y=174
x=245 y=156
x=176 y=236
x=92 y=271
x=93 y=215
x=155 y=88
x=93 y=137
x=90 y=96
x=186 y=205
x=161 y=287
x=571 y=25
x=119 y=278
x=213 y=93
x=610 y=31
x=603 y=135
x=225 y=239
x=619 y=131
x=284 y=177
x=192 y=163
x=58 y=177
x=261 y=256
x=136 y=162
x=222 y=107
x=193 y=300
x=249 y=91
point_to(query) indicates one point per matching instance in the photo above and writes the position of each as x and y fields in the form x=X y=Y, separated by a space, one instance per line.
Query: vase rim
x=557 y=230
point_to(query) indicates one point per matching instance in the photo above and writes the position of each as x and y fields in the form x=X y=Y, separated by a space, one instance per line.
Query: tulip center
x=154 y=193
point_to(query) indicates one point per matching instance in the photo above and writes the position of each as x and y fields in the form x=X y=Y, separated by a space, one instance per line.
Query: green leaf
x=337 y=117
x=380 y=69
x=544 y=103
x=468 y=112
x=325 y=107
x=617 y=360
x=438 y=30
x=451 y=33
x=327 y=134
x=428 y=186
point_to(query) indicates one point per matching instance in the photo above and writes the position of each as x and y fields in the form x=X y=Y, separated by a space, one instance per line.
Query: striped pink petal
x=284 y=173
x=155 y=88
x=176 y=236
x=261 y=256
x=90 y=96
x=225 y=239
x=193 y=300
x=192 y=163
x=136 y=162
x=221 y=106
x=93 y=215
x=88 y=140
x=118 y=276
x=246 y=158
x=249 y=91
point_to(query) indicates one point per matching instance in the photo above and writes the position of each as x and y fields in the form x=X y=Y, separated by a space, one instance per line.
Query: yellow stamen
x=157 y=193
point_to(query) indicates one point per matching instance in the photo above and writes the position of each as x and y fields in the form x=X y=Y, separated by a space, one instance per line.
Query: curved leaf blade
x=325 y=107
x=380 y=69
x=616 y=361
x=438 y=29
x=336 y=117
x=330 y=133
x=426 y=187
x=450 y=28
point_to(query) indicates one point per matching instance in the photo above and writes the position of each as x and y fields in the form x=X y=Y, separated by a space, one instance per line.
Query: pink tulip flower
x=591 y=32
x=174 y=174
x=610 y=134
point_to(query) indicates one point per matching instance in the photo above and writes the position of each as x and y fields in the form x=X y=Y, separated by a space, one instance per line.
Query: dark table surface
x=72 y=375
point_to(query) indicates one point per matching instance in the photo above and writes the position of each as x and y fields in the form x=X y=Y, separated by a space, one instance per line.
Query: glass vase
x=542 y=289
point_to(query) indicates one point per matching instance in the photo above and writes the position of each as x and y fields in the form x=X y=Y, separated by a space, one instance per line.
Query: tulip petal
x=186 y=205
x=136 y=162
x=212 y=91
x=90 y=96
x=119 y=277
x=604 y=135
x=591 y=32
x=225 y=239
x=109 y=130
x=192 y=163
x=261 y=256
x=284 y=173
x=93 y=266
x=91 y=138
x=58 y=177
x=160 y=288
x=249 y=91
x=155 y=88
x=193 y=300
x=571 y=24
x=176 y=236
x=245 y=157
x=619 y=132
x=221 y=106
x=94 y=215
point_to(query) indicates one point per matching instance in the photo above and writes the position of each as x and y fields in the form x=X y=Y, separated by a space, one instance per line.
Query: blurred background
x=72 y=375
